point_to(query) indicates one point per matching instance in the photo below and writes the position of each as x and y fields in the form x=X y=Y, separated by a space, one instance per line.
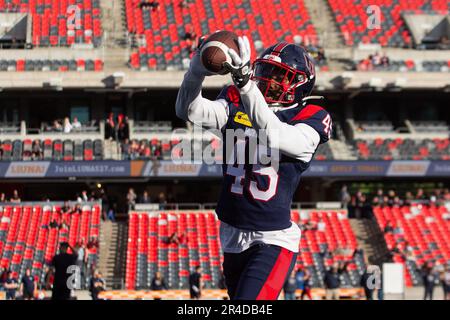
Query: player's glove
x=196 y=66
x=240 y=68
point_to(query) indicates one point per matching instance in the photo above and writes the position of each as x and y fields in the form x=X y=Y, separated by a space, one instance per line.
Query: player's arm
x=192 y=106
x=298 y=141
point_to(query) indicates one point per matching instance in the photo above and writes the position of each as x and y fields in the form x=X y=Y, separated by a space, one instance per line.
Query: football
x=214 y=50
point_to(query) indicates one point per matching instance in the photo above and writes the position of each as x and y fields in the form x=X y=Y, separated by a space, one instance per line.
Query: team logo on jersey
x=242 y=118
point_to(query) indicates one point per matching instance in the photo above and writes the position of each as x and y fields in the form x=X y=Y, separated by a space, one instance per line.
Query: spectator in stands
x=154 y=5
x=420 y=194
x=365 y=64
x=332 y=281
x=396 y=202
x=122 y=128
x=162 y=201
x=28 y=285
x=126 y=150
x=290 y=287
x=195 y=283
x=345 y=197
x=48 y=278
x=360 y=204
x=3 y=276
x=76 y=125
x=384 y=61
x=175 y=239
x=57 y=127
x=429 y=279
x=158 y=282
x=303 y=277
x=11 y=284
x=53 y=224
x=358 y=252
x=15 y=198
x=109 y=127
x=134 y=150
x=61 y=263
x=111 y=216
x=131 y=199
x=36 y=150
x=144 y=150
x=306 y=285
x=76 y=209
x=388 y=228
x=444 y=43
x=445 y=278
x=81 y=261
x=96 y=285
x=84 y=196
x=191 y=39
x=67 y=125
x=321 y=58
x=145 y=198
x=2 y=197
x=409 y=198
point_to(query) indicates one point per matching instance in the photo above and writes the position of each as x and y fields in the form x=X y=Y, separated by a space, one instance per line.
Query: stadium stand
x=28 y=241
x=51 y=65
x=48 y=149
x=50 y=21
x=351 y=18
x=149 y=248
x=420 y=234
x=164 y=31
x=406 y=66
x=403 y=149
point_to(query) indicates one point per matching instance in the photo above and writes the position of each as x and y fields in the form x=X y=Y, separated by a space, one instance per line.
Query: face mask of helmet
x=276 y=81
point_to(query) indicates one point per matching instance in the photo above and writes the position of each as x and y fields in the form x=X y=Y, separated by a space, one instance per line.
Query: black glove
x=240 y=67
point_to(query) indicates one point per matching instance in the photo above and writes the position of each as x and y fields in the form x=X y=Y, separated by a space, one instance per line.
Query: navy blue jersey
x=256 y=197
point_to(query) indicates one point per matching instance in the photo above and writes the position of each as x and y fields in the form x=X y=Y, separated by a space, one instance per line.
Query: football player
x=259 y=241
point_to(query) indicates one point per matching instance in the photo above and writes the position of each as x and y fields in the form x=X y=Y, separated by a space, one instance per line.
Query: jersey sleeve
x=317 y=118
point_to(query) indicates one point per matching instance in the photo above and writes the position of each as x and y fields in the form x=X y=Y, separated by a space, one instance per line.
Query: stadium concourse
x=87 y=96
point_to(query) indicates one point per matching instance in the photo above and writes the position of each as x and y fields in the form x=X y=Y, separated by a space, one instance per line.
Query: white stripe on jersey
x=235 y=240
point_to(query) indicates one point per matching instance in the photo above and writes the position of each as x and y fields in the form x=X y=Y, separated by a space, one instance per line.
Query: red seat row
x=149 y=249
x=380 y=21
x=165 y=43
x=421 y=234
x=27 y=241
x=60 y=22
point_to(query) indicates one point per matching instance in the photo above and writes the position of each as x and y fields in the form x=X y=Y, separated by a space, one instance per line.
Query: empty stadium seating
x=27 y=241
x=51 y=65
x=351 y=18
x=58 y=150
x=164 y=30
x=52 y=20
x=149 y=250
x=403 y=149
x=421 y=234
x=408 y=66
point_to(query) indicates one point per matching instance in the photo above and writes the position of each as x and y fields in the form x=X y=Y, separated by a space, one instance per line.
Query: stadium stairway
x=370 y=238
x=340 y=150
x=112 y=260
x=323 y=21
x=115 y=55
x=112 y=21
